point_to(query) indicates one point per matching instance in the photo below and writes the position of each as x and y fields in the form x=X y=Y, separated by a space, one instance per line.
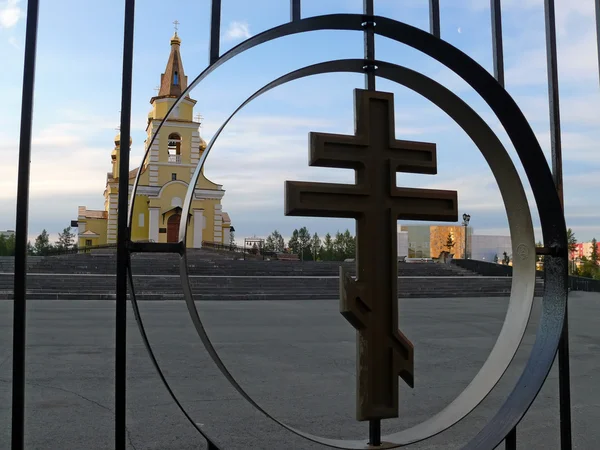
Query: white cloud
x=237 y=30
x=10 y=13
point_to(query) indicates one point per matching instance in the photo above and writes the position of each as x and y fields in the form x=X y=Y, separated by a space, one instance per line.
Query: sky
x=77 y=103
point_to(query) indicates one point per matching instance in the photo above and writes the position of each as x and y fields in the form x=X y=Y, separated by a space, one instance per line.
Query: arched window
x=176 y=78
x=174 y=148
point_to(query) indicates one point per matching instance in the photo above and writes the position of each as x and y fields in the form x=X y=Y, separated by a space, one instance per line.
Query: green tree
x=275 y=242
x=270 y=243
x=496 y=258
x=506 y=258
x=7 y=245
x=450 y=242
x=231 y=238
x=304 y=242
x=293 y=243
x=327 y=253
x=594 y=253
x=66 y=239
x=315 y=246
x=42 y=243
x=571 y=240
x=338 y=247
x=349 y=245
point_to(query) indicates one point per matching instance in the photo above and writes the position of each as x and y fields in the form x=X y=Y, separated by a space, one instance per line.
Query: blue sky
x=77 y=103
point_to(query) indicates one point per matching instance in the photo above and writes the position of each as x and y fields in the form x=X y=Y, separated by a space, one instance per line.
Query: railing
x=499 y=270
x=584 y=284
x=175 y=159
x=237 y=249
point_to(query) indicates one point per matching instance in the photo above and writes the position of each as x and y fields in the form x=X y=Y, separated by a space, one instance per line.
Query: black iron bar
x=368 y=10
x=434 y=18
x=497 y=47
x=510 y=443
x=369 y=48
x=123 y=234
x=295 y=10
x=375 y=432
x=564 y=378
x=598 y=33
x=215 y=30
x=21 y=227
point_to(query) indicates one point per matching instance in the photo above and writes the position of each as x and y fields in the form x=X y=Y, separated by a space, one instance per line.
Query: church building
x=165 y=176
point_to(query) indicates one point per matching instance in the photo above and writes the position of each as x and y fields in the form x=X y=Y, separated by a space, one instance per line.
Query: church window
x=173 y=176
x=174 y=148
x=88 y=242
x=176 y=78
x=141 y=220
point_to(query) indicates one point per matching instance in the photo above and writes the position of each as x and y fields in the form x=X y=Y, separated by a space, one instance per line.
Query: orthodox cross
x=370 y=303
x=157 y=89
x=176 y=23
x=199 y=118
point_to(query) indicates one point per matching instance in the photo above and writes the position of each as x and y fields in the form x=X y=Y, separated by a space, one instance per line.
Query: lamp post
x=466 y=219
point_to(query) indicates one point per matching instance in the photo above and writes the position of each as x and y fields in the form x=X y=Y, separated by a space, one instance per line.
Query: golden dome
x=118 y=140
x=203 y=144
x=175 y=39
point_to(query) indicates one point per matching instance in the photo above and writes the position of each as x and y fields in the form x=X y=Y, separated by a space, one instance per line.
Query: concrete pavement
x=295 y=357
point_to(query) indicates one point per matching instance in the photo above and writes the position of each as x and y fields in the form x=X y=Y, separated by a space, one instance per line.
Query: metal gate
x=553 y=334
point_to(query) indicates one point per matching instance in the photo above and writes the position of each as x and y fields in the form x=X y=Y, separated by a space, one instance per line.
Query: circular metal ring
x=529 y=152
x=522 y=235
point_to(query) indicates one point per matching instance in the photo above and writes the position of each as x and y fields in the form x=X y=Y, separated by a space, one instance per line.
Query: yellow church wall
x=165 y=173
x=161 y=107
x=186 y=141
x=140 y=233
x=97 y=226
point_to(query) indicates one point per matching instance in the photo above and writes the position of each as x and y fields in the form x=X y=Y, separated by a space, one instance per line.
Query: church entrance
x=173 y=228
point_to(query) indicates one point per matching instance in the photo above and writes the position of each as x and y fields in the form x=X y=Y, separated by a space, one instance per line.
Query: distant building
x=584 y=249
x=429 y=241
x=7 y=233
x=165 y=177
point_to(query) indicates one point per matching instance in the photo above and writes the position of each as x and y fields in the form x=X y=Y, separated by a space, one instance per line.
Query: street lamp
x=466 y=219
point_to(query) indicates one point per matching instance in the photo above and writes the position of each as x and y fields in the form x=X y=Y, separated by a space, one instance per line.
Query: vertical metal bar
x=369 y=34
x=564 y=382
x=21 y=226
x=294 y=10
x=434 y=18
x=215 y=30
x=123 y=234
x=497 y=46
x=598 y=34
x=510 y=443
x=375 y=432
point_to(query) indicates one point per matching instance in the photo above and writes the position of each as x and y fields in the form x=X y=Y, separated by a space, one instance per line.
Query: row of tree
x=311 y=248
x=42 y=245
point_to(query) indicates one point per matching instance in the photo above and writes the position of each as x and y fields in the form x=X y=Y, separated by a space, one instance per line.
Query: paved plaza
x=295 y=357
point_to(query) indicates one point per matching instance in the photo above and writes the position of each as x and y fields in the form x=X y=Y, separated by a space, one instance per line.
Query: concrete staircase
x=156 y=277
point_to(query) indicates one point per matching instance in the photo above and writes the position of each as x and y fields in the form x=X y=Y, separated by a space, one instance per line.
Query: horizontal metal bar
x=156 y=247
